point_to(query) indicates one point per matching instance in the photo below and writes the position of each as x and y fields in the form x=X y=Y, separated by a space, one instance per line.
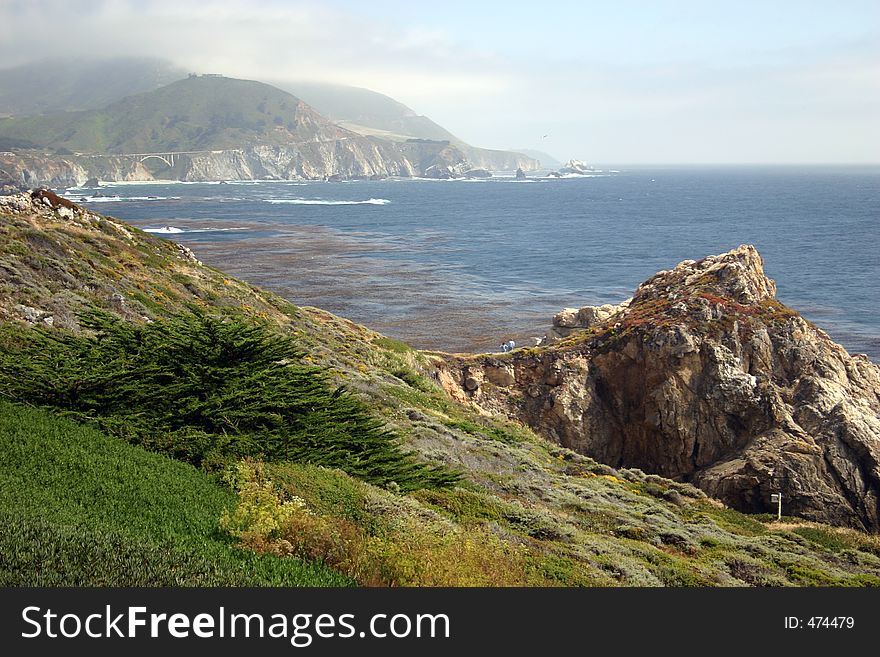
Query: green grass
x=326 y=490
x=839 y=540
x=81 y=508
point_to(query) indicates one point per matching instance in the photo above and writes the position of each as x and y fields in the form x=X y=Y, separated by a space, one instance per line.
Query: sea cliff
x=341 y=159
x=703 y=376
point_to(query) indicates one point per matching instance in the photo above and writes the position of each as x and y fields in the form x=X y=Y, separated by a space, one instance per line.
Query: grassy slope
x=577 y=522
x=191 y=114
x=82 y=508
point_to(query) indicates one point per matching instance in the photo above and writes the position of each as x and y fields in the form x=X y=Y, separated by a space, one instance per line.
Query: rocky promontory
x=703 y=376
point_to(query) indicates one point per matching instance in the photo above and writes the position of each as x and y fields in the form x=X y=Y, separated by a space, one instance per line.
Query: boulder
x=566 y=318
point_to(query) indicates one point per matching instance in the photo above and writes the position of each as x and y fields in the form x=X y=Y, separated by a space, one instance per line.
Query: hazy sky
x=610 y=81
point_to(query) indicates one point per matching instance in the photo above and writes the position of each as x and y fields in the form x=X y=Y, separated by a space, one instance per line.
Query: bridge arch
x=167 y=158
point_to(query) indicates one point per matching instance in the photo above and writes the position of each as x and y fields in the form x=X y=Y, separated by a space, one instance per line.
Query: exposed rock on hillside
x=372 y=114
x=342 y=159
x=27 y=170
x=704 y=377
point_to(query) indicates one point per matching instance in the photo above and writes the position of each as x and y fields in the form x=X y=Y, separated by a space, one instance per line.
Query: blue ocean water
x=465 y=265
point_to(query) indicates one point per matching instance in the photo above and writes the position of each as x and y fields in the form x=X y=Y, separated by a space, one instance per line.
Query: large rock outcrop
x=703 y=377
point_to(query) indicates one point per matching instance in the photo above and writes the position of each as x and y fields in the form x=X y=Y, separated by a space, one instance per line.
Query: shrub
x=259 y=514
x=207 y=391
x=407 y=553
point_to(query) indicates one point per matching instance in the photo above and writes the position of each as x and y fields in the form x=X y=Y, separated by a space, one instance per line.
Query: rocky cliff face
x=315 y=160
x=703 y=376
x=494 y=160
x=311 y=161
x=33 y=170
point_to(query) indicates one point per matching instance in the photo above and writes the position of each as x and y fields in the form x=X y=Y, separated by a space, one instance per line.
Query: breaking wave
x=171 y=230
x=317 y=201
x=117 y=199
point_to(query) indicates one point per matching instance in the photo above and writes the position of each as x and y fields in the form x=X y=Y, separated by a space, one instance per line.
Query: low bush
x=407 y=552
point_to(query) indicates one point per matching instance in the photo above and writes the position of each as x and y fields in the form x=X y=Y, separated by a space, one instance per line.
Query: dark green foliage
x=78 y=508
x=205 y=391
x=828 y=540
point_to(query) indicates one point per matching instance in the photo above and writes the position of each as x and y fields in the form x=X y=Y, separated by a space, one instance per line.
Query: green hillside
x=197 y=113
x=245 y=391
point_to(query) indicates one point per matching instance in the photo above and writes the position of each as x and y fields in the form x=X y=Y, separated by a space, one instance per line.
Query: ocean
x=465 y=265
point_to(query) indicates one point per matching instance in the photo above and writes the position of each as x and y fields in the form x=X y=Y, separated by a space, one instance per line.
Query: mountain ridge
x=368 y=112
x=222 y=128
x=211 y=112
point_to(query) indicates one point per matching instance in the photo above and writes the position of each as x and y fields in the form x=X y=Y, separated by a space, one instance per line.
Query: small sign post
x=777 y=497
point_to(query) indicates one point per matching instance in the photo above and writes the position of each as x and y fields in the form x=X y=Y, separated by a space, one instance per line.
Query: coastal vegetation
x=81 y=508
x=165 y=424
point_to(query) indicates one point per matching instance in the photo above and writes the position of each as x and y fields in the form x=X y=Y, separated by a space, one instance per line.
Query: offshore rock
x=576 y=167
x=703 y=377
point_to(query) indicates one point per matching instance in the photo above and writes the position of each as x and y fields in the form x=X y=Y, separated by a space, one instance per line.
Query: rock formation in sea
x=576 y=167
x=703 y=376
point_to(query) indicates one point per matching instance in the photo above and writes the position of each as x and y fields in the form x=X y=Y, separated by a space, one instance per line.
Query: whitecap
x=118 y=199
x=317 y=201
x=165 y=230
x=173 y=230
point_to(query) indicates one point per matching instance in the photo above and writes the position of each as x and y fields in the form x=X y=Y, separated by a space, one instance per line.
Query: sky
x=623 y=81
